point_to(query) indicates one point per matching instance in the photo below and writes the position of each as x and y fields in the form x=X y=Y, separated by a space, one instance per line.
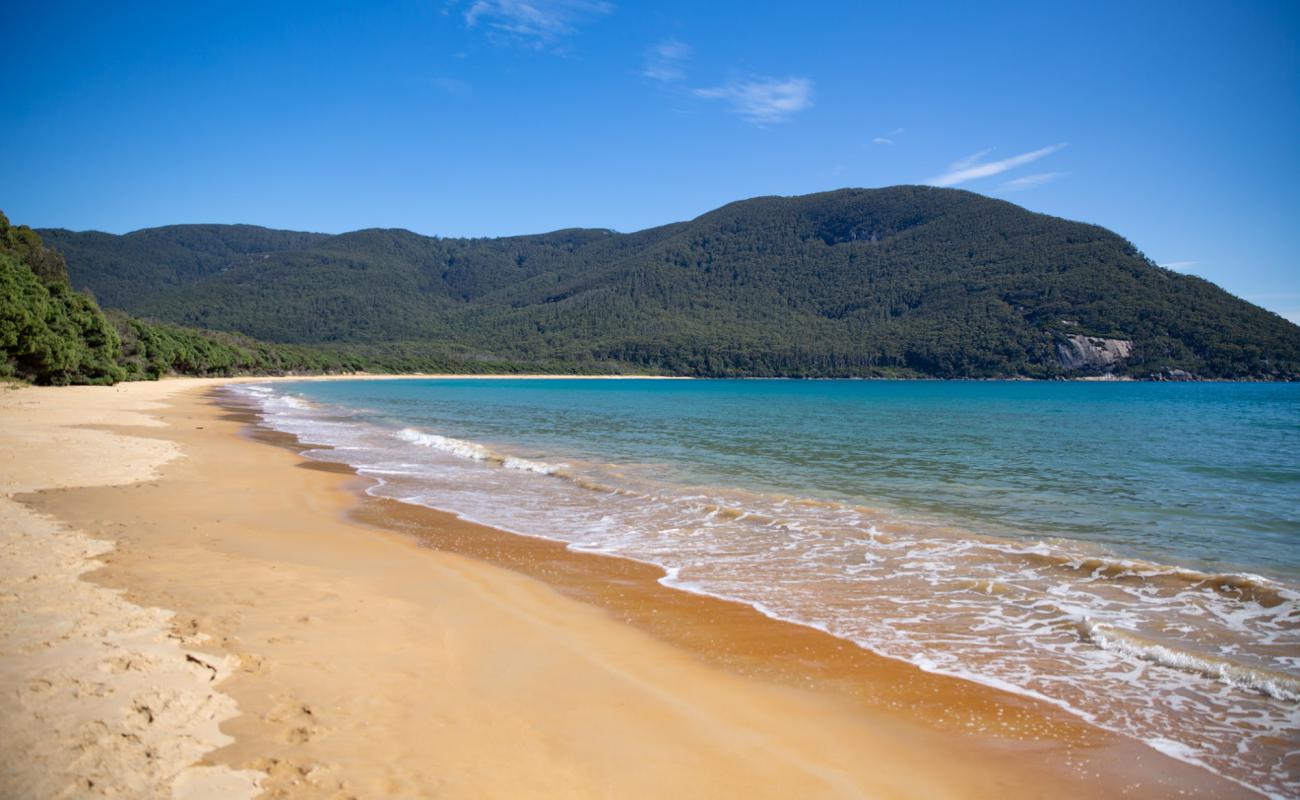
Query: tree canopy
x=51 y=334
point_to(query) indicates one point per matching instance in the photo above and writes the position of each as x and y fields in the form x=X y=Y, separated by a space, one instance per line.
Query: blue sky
x=1175 y=124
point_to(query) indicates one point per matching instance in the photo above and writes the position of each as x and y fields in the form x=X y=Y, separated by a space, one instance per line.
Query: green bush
x=50 y=334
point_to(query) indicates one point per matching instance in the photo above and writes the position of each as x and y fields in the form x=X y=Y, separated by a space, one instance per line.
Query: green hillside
x=906 y=280
x=52 y=334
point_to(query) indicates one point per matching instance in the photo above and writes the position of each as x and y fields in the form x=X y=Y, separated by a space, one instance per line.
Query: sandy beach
x=190 y=608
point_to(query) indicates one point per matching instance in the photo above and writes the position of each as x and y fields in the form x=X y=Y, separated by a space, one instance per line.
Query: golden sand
x=354 y=647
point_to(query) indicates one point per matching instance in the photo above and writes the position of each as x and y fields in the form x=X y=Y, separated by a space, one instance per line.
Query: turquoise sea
x=1129 y=551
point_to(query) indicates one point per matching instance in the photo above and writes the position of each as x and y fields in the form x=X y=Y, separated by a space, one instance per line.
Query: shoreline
x=381 y=376
x=833 y=664
x=700 y=696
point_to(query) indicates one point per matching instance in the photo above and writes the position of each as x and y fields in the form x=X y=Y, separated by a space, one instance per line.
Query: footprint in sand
x=252 y=664
x=298 y=718
x=286 y=778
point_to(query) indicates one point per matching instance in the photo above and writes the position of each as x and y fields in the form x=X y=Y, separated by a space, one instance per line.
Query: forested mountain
x=906 y=280
x=52 y=334
x=147 y=261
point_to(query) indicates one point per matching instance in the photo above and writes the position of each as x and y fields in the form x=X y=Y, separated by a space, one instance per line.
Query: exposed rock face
x=1173 y=375
x=1077 y=351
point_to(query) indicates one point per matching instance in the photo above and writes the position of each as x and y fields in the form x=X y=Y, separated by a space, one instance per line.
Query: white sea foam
x=527 y=465
x=477 y=452
x=1278 y=685
x=456 y=447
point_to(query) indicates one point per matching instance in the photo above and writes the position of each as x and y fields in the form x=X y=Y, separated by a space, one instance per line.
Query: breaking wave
x=1278 y=685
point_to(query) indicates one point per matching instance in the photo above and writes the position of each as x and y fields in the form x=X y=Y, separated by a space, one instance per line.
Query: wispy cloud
x=1178 y=264
x=972 y=167
x=538 y=23
x=666 y=61
x=888 y=138
x=763 y=101
x=970 y=160
x=1030 y=181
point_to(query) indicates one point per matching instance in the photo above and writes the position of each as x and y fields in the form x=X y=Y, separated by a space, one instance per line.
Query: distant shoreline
x=550 y=376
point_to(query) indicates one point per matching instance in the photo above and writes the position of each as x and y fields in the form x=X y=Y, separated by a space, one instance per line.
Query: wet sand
x=381 y=649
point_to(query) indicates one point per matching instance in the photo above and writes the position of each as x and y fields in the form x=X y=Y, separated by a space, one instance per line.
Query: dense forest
x=906 y=281
x=48 y=332
x=51 y=334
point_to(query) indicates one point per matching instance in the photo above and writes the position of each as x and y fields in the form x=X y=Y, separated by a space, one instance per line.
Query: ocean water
x=1128 y=551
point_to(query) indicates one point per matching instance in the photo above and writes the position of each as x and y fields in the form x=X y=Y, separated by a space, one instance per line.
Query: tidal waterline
x=1126 y=550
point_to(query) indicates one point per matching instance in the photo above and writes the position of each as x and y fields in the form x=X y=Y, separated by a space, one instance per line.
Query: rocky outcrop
x=1079 y=352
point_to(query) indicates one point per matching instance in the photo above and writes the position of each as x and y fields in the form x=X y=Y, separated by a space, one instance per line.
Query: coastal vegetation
x=902 y=281
x=52 y=334
x=48 y=332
